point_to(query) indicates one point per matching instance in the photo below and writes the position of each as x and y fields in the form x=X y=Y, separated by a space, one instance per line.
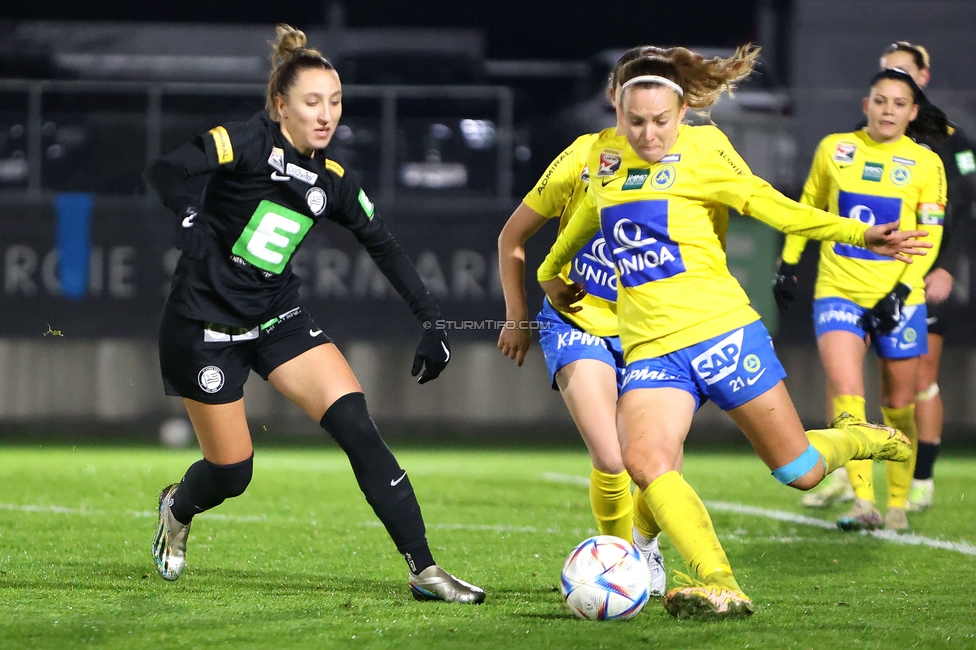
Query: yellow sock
x=644 y=519
x=684 y=519
x=900 y=474
x=835 y=445
x=612 y=503
x=859 y=472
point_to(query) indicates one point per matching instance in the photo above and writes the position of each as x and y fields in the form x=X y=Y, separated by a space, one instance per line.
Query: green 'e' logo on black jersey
x=271 y=236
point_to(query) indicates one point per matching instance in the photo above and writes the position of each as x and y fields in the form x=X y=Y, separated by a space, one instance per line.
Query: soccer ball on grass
x=605 y=578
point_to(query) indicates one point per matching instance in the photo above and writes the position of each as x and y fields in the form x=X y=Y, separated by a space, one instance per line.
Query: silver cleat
x=655 y=562
x=434 y=583
x=169 y=545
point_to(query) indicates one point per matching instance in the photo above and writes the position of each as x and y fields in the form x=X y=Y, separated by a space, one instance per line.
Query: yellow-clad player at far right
x=876 y=175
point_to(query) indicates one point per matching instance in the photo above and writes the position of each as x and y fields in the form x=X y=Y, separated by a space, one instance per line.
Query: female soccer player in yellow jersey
x=876 y=175
x=660 y=194
x=582 y=350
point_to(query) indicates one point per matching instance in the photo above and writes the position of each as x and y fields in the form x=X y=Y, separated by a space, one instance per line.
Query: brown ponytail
x=289 y=56
x=702 y=80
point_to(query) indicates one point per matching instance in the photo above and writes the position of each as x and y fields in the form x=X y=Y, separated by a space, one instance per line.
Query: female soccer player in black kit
x=234 y=306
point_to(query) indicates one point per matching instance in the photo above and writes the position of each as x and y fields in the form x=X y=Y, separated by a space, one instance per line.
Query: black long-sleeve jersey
x=960 y=165
x=262 y=197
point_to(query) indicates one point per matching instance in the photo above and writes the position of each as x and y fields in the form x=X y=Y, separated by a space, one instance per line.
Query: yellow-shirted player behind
x=659 y=194
x=581 y=346
x=876 y=175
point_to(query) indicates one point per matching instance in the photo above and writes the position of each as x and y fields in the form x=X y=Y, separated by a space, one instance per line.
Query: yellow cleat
x=701 y=601
x=876 y=441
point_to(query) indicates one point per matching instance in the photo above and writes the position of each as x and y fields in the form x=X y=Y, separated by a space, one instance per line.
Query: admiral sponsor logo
x=839 y=316
x=844 y=153
x=636 y=179
x=727 y=158
x=366 y=204
x=965 y=162
x=609 y=163
x=671 y=158
x=574 y=336
x=225 y=150
x=316 y=200
x=335 y=168
x=900 y=175
x=664 y=178
x=303 y=175
x=873 y=172
x=549 y=172
x=277 y=160
x=903 y=161
x=585 y=175
x=211 y=379
x=720 y=360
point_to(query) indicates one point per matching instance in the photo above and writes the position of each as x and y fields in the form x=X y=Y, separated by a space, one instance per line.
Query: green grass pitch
x=300 y=561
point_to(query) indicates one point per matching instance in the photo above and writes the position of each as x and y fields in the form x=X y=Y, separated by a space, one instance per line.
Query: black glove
x=784 y=286
x=887 y=313
x=433 y=353
x=193 y=234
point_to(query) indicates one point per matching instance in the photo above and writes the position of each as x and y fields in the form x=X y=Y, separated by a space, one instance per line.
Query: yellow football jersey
x=557 y=194
x=855 y=177
x=662 y=224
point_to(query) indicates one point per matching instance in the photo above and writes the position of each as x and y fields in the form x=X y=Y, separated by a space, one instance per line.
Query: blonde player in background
x=879 y=176
x=582 y=349
x=660 y=193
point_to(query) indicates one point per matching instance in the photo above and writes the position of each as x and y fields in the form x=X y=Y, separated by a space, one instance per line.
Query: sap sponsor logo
x=733 y=164
x=671 y=158
x=839 y=316
x=609 y=163
x=664 y=178
x=903 y=161
x=720 y=360
x=844 y=153
x=211 y=379
x=540 y=188
x=646 y=374
x=575 y=336
x=316 y=199
x=901 y=175
x=593 y=268
x=277 y=159
x=629 y=238
x=873 y=172
x=585 y=174
x=303 y=175
x=636 y=179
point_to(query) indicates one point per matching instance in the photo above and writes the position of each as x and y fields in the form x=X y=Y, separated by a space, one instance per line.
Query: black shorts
x=936 y=319
x=209 y=363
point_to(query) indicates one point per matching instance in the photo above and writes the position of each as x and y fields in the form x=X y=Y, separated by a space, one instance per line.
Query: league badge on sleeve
x=609 y=163
x=844 y=153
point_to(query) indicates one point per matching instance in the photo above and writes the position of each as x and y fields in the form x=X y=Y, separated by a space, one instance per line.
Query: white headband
x=653 y=78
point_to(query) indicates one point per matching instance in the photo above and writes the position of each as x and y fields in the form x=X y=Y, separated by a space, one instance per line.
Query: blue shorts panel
x=563 y=343
x=909 y=339
x=730 y=369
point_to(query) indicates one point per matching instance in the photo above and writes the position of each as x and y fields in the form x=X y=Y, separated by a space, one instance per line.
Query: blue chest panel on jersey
x=639 y=242
x=593 y=268
x=869 y=209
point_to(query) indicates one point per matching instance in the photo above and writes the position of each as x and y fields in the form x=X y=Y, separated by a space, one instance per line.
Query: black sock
x=206 y=485
x=382 y=480
x=927 y=453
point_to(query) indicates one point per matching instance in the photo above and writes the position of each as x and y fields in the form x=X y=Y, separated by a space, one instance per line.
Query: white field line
x=910 y=539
